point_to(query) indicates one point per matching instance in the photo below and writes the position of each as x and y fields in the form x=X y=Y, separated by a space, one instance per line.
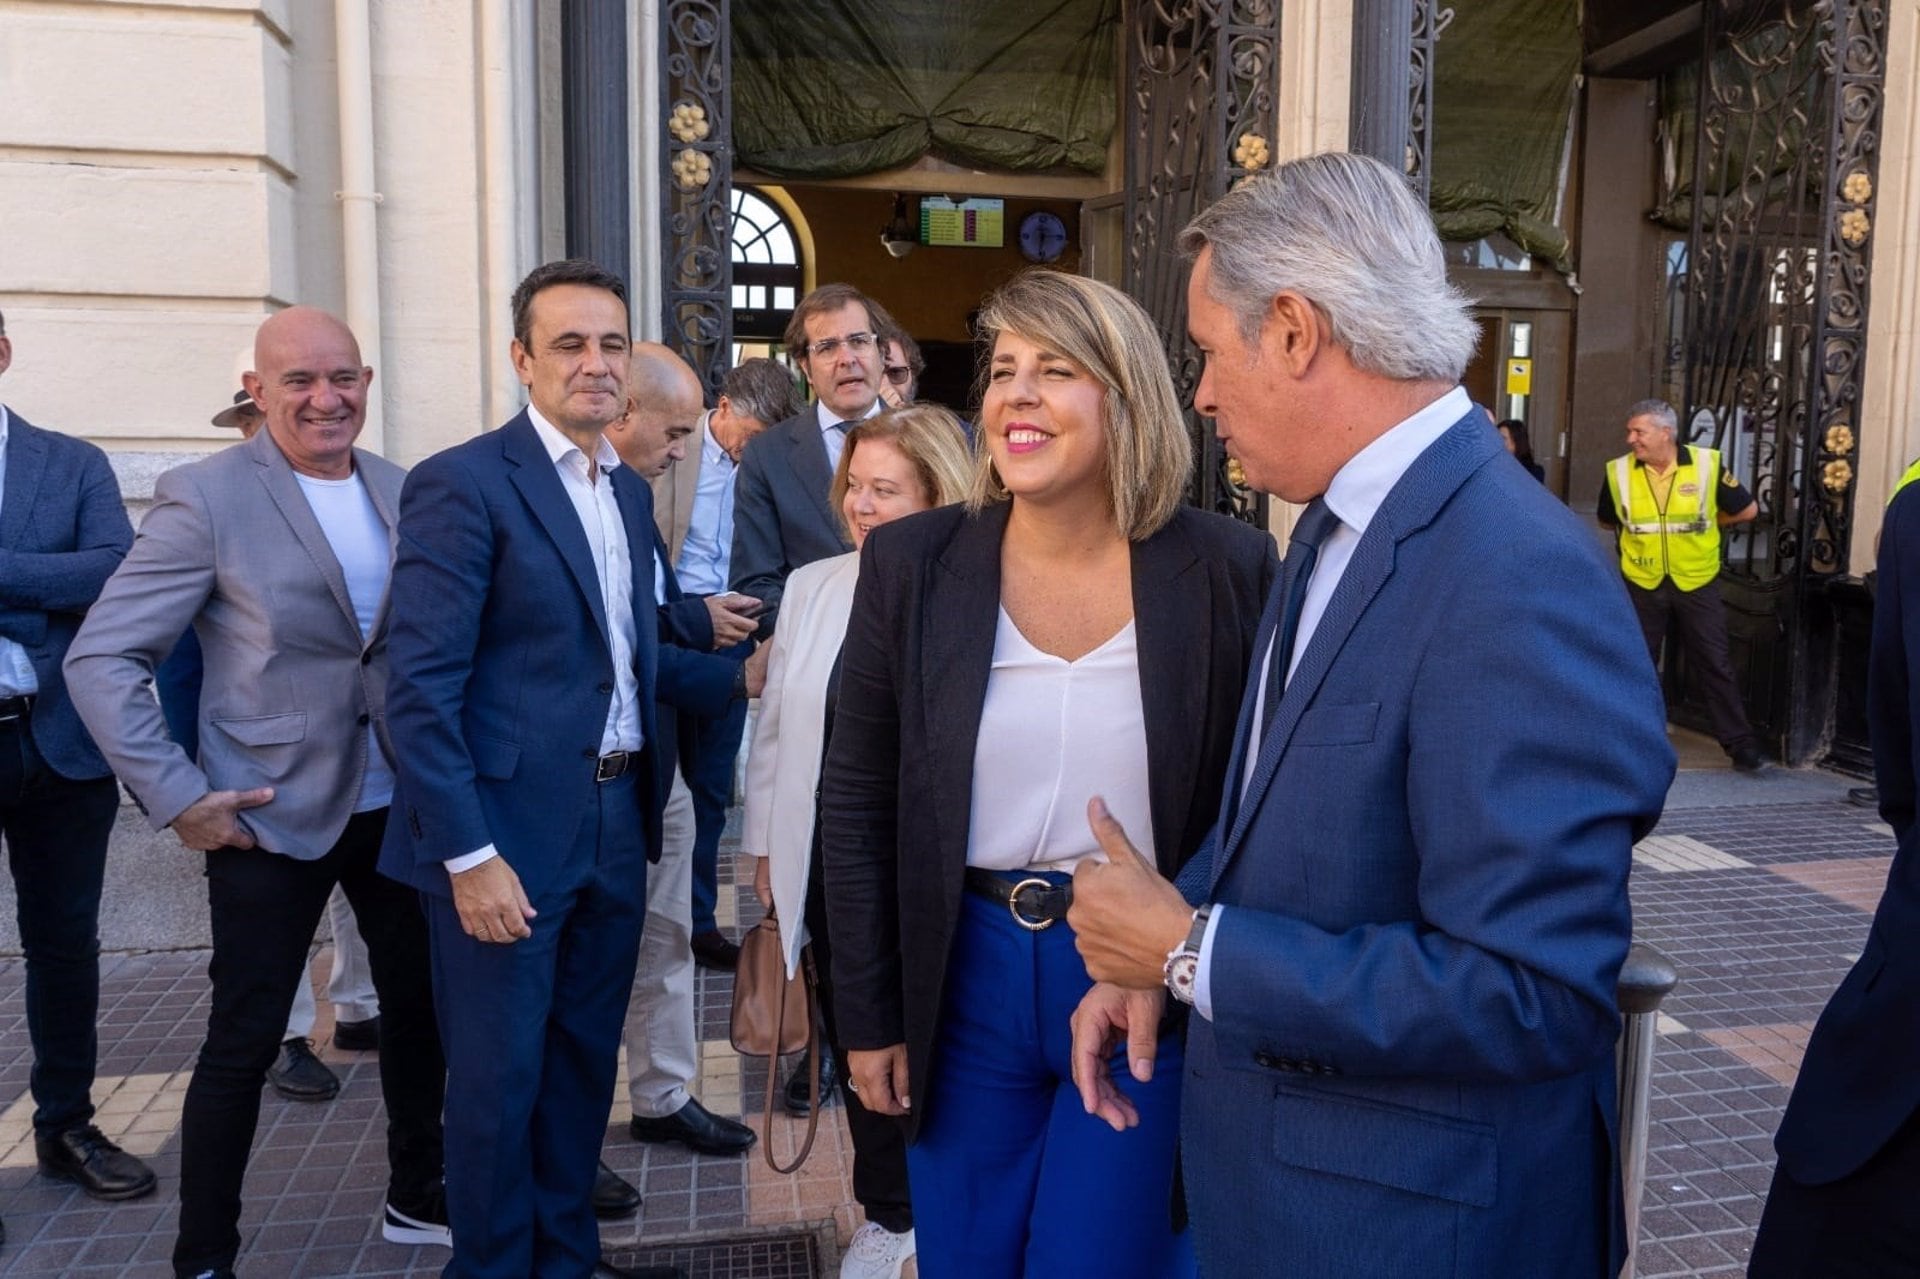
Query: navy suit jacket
x=783 y=513
x=1409 y=1066
x=501 y=671
x=63 y=530
x=1860 y=1078
x=695 y=683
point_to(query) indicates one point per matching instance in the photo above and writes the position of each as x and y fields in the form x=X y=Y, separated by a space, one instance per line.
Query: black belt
x=12 y=708
x=1034 y=903
x=608 y=767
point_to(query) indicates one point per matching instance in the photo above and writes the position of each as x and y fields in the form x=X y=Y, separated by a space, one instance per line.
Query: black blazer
x=1860 y=1079
x=897 y=791
x=782 y=511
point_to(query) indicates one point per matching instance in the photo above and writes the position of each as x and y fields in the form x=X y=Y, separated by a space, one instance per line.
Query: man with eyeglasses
x=782 y=517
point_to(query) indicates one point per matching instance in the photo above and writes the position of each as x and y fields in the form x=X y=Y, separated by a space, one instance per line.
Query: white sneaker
x=875 y=1252
x=400 y=1227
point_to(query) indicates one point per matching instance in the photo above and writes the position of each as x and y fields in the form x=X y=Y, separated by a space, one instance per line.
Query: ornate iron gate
x=1767 y=320
x=1201 y=81
x=696 y=185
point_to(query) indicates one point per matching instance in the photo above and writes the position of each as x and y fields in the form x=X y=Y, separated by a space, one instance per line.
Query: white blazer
x=789 y=736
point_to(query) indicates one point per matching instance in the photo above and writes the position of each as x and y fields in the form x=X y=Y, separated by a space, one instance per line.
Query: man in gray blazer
x=278 y=553
x=782 y=516
x=62 y=531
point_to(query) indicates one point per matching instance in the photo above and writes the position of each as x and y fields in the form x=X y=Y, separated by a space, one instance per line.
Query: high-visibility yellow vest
x=1912 y=474
x=1681 y=542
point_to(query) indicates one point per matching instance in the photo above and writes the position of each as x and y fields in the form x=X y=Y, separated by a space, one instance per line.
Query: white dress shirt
x=1053 y=734
x=1355 y=497
x=830 y=433
x=16 y=667
x=591 y=492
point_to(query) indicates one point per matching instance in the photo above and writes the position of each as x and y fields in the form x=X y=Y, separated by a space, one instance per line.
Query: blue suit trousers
x=1010 y=1175
x=532 y=1036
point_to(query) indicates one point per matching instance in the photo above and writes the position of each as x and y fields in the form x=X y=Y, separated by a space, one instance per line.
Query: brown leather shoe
x=84 y=1156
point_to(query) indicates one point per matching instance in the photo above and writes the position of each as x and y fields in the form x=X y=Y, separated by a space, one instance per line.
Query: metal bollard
x=1646 y=979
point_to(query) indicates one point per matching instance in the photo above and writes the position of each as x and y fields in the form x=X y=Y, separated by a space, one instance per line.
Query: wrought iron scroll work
x=1785 y=161
x=1202 y=82
x=696 y=210
x=1429 y=21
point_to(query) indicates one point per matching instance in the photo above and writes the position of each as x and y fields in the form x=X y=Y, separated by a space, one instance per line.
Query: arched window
x=767 y=275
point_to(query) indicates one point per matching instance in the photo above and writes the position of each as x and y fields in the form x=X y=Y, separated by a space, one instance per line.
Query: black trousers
x=879 y=1142
x=264 y=909
x=1866 y=1226
x=1701 y=618
x=56 y=833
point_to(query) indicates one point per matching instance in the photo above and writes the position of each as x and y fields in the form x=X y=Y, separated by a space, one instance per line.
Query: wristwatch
x=1183 y=961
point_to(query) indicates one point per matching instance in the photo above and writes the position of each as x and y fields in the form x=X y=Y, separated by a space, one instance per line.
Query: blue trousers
x=709 y=778
x=1010 y=1176
x=532 y=1036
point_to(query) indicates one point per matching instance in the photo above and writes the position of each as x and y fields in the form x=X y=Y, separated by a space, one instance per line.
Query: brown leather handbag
x=773 y=1016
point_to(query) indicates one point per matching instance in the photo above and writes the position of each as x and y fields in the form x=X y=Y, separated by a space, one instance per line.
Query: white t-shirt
x=358 y=537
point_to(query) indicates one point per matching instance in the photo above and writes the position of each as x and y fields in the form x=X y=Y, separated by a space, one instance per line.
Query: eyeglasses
x=858 y=343
x=899 y=374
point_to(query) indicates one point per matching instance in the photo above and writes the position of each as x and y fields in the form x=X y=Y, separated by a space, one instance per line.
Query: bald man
x=667 y=420
x=276 y=552
x=663 y=403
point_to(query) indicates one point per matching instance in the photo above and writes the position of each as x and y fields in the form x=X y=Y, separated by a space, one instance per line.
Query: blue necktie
x=1296 y=570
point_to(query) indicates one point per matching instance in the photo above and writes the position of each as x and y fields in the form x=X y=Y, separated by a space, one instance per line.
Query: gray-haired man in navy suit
x=62 y=533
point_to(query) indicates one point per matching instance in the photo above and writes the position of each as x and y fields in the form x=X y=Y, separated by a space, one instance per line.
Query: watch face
x=1043 y=236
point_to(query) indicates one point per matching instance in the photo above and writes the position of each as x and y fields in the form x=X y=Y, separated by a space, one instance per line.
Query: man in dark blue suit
x=62 y=533
x=1846 y=1192
x=1412 y=914
x=521 y=710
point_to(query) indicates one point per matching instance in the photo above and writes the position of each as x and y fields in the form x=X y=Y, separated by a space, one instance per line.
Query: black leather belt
x=1034 y=903
x=12 y=708
x=608 y=767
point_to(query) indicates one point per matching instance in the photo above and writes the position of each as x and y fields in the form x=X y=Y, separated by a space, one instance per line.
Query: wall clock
x=1043 y=236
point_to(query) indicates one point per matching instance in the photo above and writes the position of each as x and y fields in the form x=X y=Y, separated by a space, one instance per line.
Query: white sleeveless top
x=1053 y=734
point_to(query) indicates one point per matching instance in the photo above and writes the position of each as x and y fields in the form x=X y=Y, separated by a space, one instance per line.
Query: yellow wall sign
x=1519 y=377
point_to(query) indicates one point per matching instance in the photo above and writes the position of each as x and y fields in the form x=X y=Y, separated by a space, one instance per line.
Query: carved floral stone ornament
x=692 y=170
x=1836 y=475
x=1251 y=152
x=1236 y=473
x=1857 y=189
x=1840 y=440
x=1854 y=227
x=689 y=122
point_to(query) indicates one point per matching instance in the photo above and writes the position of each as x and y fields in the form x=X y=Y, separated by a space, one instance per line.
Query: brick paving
x=1762 y=904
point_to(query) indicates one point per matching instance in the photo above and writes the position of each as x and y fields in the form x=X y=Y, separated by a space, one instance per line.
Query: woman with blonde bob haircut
x=1074 y=632
x=894 y=464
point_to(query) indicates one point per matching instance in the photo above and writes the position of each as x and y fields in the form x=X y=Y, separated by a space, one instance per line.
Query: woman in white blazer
x=900 y=462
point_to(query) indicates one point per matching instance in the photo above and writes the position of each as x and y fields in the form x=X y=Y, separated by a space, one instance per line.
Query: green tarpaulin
x=834 y=88
x=1505 y=75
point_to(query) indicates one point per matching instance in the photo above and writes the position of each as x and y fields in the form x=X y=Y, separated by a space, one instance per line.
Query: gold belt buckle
x=1013 y=906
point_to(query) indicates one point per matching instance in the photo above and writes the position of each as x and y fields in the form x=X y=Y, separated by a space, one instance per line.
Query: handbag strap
x=813 y=1070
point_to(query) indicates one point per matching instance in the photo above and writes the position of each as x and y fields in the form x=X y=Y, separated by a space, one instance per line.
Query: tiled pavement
x=1759 y=896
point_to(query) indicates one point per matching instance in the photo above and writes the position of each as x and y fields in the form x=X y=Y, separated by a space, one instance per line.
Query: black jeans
x=56 y=833
x=1701 y=616
x=879 y=1141
x=264 y=909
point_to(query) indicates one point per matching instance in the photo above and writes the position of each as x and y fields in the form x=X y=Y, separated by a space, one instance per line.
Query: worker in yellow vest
x=1668 y=502
x=1911 y=474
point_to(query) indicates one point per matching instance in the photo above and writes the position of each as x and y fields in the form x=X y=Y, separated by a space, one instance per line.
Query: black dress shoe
x=696 y=1128
x=711 y=949
x=1747 y=759
x=298 y=1075
x=613 y=1195
x=357 y=1036
x=1864 y=796
x=84 y=1155
x=797 y=1099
